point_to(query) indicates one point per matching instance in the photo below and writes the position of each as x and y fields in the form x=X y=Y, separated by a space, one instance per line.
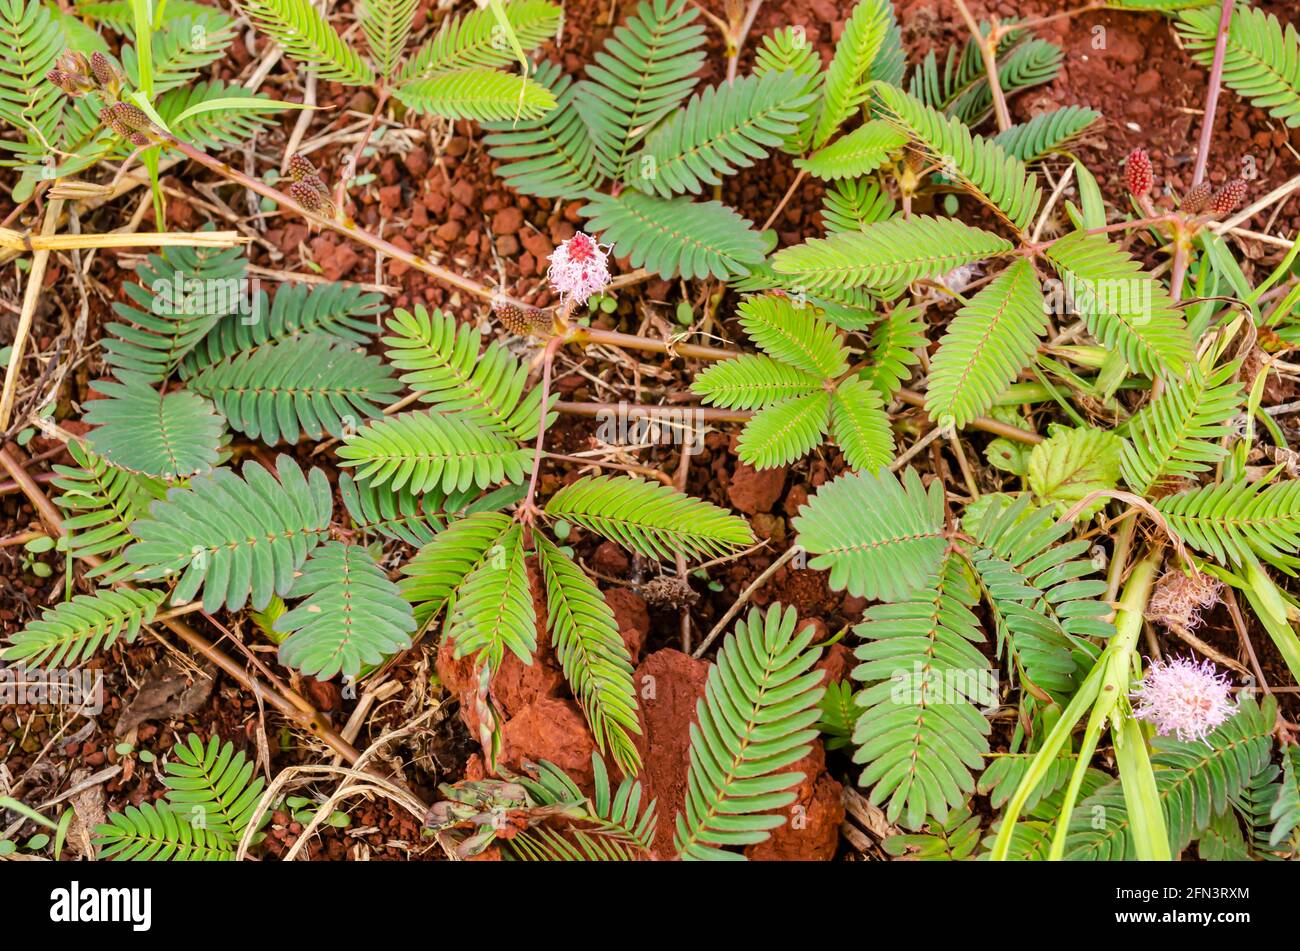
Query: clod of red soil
x=632 y=617
x=515 y=684
x=550 y=729
x=668 y=684
x=820 y=631
x=837 y=662
x=755 y=490
x=610 y=560
x=812 y=831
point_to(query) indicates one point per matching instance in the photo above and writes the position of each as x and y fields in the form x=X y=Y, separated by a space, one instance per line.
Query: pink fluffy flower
x=579 y=268
x=1185 y=698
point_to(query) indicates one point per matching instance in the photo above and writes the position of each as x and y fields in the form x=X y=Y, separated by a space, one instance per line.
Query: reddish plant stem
x=1212 y=94
x=349 y=169
x=528 y=509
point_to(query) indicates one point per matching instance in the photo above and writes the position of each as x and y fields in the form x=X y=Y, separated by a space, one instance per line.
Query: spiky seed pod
x=311 y=195
x=104 y=71
x=65 y=81
x=108 y=116
x=522 y=321
x=1197 y=198
x=300 y=167
x=1227 y=198
x=1138 y=173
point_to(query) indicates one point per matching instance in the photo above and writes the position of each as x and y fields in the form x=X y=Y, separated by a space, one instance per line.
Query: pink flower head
x=1185 y=698
x=579 y=268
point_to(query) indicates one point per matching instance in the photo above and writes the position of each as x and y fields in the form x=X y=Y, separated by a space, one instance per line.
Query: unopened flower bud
x=104 y=71
x=1197 y=198
x=1138 y=173
x=522 y=320
x=312 y=195
x=300 y=167
x=1227 y=198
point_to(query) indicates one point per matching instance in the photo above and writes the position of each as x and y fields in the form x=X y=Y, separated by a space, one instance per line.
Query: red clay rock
x=812 y=829
x=549 y=729
x=610 y=560
x=668 y=684
x=837 y=661
x=820 y=631
x=632 y=617
x=755 y=490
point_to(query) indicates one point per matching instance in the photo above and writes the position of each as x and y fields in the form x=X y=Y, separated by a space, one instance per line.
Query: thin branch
x=1212 y=94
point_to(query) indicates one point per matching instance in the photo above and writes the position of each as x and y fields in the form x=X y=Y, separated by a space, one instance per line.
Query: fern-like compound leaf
x=1046 y=132
x=676 y=236
x=1261 y=60
x=239 y=539
x=306 y=385
x=172 y=436
x=1040 y=591
x=853 y=204
x=446 y=368
x=550 y=157
x=158 y=833
x=921 y=734
x=493 y=610
x=400 y=514
x=442 y=565
x=592 y=655
x=887 y=253
x=787 y=50
x=217 y=780
x=649 y=518
x=352 y=615
x=1124 y=308
x=988 y=343
x=220 y=125
x=103 y=501
x=308 y=37
x=615 y=824
x=387 y=24
x=982 y=167
x=473 y=39
x=643 y=72
x=32 y=41
x=1234 y=520
x=752 y=381
x=793 y=335
x=863 y=150
x=476 y=93
x=183 y=48
x=780 y=434
x=345 y=312
x=720 y=131
x=425 y=450
x=893 y=350
x=881 y=538
x=72 y=631
x=756 y=719
x=181 y=295
x=1181 y=432
x=846 y=80
x=860 y=426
